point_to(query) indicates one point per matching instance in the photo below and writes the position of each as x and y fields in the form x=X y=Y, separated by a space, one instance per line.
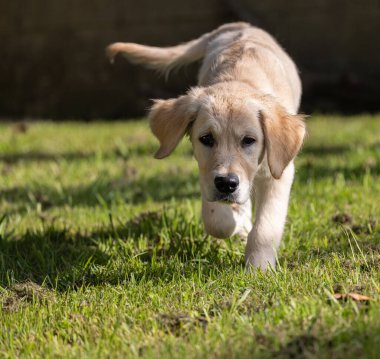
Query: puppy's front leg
x=272 y=197
x=225 y=220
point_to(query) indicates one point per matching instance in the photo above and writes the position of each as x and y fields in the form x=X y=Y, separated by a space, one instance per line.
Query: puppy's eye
x=247 y=141
x=207 y=140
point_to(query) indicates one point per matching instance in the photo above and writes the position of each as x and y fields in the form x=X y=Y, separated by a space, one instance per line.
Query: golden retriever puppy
x=244 y=128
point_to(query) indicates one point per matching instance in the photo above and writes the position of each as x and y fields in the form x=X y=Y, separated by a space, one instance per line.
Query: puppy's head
x=232 y=131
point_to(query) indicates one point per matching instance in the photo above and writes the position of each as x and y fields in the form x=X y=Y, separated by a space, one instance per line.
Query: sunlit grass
x=103 y=254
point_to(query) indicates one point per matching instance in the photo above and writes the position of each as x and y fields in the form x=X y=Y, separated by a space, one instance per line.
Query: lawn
x=102 y=251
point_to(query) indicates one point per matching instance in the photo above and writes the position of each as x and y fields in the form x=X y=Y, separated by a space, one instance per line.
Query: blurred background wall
x=53 y=65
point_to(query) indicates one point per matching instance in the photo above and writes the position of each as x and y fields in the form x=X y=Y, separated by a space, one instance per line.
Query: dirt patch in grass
x=342 y=218
x=145 y=217
x=303 y=346
x=347 y=221
x=21 y=127
x=26 y=292
x=366 y=229
x=181 y=324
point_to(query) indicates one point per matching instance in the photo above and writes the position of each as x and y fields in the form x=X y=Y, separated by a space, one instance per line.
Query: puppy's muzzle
x=227 y=184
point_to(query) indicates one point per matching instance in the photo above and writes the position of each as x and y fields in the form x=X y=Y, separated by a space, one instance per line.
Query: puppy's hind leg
x=225 y=220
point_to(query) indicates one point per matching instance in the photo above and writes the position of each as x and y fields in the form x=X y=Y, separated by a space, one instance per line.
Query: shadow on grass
x=144 y=248
x=104 y=190
x=315 y=171
x=119 y=151
x=360 y=341
x=159 y=188
x=338 y=149
x=325 y=150
x=156 y=246
x=35 y=156
x=47 y=256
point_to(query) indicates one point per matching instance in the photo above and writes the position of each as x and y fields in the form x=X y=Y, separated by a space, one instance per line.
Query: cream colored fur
x=248 y=88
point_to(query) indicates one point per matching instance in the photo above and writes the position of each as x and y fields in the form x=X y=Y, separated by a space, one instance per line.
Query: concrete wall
x=52 y=51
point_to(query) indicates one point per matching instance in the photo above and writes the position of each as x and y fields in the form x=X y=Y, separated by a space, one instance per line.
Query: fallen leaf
x=354 y=296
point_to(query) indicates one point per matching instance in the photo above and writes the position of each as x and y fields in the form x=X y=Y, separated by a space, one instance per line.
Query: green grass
x=102 y=251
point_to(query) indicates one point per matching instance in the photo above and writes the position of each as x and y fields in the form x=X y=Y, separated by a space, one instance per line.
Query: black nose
x=227 y=184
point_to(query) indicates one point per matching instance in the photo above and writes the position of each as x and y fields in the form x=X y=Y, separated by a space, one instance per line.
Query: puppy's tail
x=166 y=59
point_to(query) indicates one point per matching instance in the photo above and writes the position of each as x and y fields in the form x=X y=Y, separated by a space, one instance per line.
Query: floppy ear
x=283 y=136
x=171 y=119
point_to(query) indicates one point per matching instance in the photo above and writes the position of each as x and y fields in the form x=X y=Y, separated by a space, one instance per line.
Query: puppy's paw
x=263 y=259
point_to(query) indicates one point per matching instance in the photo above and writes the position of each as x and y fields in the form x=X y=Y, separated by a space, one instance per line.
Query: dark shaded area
x=328 y=150
x=298 y=347
x=12 y=158
x=358 y=343
x=48 y=255
x=315 y=171
x=134 y=189
x=63 y=258
x=325 y=150
x=157 y=188
x=37 y=156
x=333 y=44
x=53 y=62
x=348 y=94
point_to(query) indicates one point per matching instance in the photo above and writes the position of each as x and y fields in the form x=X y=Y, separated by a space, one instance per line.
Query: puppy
x=244 y=128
